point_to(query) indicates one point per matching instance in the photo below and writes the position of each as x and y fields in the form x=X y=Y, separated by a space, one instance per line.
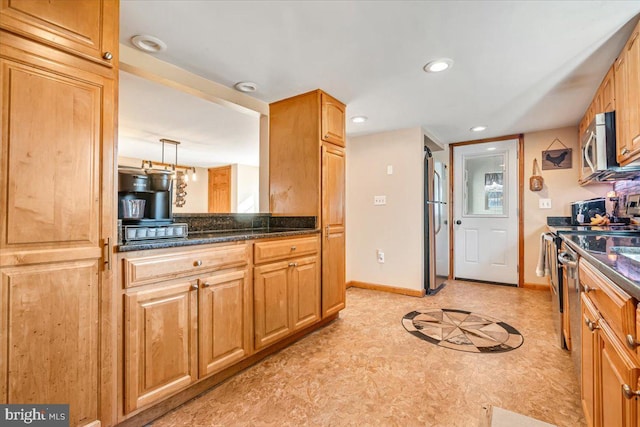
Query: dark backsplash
x=207 y=222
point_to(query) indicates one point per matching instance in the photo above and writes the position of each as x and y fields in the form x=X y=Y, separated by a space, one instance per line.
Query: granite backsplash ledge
x=208 y=222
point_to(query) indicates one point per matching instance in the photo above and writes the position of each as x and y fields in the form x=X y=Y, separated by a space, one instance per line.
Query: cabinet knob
x=194 y=287
x=587 y=288
x=293 y=248
x=293 y=264
x=628 y=392
x=108 y=56
x=624 y=151
x=197 y=263
x=206 y=284
x=631 y=341
x=591 y=325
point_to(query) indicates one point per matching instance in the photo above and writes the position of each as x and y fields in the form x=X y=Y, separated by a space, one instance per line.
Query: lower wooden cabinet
x=286 y=298
x=50 y=337
x=610 y=367
x=160 y=342
x=223 y=320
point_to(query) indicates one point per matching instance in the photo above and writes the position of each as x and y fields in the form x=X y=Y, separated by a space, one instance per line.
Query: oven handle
x=585 y=151
x=566 y=259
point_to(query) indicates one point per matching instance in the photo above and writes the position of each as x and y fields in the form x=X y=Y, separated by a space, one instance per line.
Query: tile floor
x=365 y=369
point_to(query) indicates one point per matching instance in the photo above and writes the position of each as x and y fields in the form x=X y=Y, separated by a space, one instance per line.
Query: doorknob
x=458 y=222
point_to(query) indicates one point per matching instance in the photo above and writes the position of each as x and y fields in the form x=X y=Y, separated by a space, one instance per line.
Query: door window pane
x=485 y=185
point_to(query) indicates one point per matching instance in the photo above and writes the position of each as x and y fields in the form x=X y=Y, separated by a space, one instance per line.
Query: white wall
x=396 y=228
x=248 y=189
x=561 y=186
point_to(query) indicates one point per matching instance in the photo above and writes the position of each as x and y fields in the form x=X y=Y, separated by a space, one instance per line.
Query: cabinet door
x=54 y=161
x=617 y=370
x=607 y=90
x=223 y=320
x=589 y=360
x=633 y=93
x=333 y=124
x=87 y=28
x=159 y=342
x=333 y=230
x=305 y=289
x=271 y=303
x=49 y=337
x=622 y=112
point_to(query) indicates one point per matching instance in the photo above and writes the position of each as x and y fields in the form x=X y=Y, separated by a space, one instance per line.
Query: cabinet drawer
x=281 y=249
x=616 y=306
x=149 y=269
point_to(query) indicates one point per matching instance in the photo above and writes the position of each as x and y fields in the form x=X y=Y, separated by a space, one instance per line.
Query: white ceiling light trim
x=478 y=128
x=149 y=44
x=359 y=119
x=438 y=65
x=246 y=86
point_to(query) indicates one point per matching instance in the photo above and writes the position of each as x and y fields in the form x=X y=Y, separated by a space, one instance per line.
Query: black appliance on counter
x=583 y=210
x=154 y=187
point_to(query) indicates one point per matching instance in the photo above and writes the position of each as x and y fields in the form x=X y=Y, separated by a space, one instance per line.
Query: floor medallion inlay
x=462 y=330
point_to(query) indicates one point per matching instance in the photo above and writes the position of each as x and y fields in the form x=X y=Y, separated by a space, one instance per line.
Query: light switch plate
x=389 y=169
x=379 y=200
x=544 y=203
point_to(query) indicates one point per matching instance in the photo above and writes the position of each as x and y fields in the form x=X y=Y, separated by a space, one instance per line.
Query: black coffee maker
x=145 y=197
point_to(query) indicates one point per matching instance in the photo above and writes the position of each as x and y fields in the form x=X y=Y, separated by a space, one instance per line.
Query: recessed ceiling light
x=359 y=119
x=438 y=65
x=148 y=43
x=478 y=128
x=246 y=86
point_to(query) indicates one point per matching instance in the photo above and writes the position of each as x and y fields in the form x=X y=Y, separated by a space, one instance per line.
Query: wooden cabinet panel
x=49 y=337
x=87 y=28
x=223 y=319
x=275 y=250
x=294 y=155
x=271 y=303
x=52 y=170
x=149 y=269
x=607 y=91
x=616 y=370
x=633 y=94
x=159 y=342
x=589 y=353
x=622 y=112
x=333 y=120
x=613 y=303
x=333 y=229
x=305 y=292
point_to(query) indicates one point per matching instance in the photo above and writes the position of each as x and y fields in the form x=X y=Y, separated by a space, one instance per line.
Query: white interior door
x=485 y=215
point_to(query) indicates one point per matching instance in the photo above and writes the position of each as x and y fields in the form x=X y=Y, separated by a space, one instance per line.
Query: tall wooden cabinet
x=58 y=108
x=307 y=177
x=628 y=79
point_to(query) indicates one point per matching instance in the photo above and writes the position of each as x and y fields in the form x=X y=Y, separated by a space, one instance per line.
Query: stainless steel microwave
x=598 y=152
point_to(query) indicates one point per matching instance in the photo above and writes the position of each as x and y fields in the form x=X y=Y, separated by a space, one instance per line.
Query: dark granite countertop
x=606 y=253
x=203 y=238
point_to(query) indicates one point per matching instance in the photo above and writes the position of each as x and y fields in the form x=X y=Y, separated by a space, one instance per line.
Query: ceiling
x=519 y=66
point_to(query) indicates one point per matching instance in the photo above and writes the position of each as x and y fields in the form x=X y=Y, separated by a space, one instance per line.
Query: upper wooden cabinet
x=297 y=129
x=606 y=93
x=87 y=28
x=627 y=81
x=333 y=120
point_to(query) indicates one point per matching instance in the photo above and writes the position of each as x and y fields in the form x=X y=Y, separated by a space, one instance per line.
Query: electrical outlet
x=379 y=200
x=389 y=169
x=380 y=256
x=544 y=203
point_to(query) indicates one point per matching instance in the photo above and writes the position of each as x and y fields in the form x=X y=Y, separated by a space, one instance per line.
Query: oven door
x=569 y=261
x=552 y=243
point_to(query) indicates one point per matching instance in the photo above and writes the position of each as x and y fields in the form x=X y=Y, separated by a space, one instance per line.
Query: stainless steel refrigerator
x=436 y=228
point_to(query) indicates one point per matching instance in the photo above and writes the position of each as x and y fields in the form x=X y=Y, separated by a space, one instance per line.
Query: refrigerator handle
x=439 y=198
